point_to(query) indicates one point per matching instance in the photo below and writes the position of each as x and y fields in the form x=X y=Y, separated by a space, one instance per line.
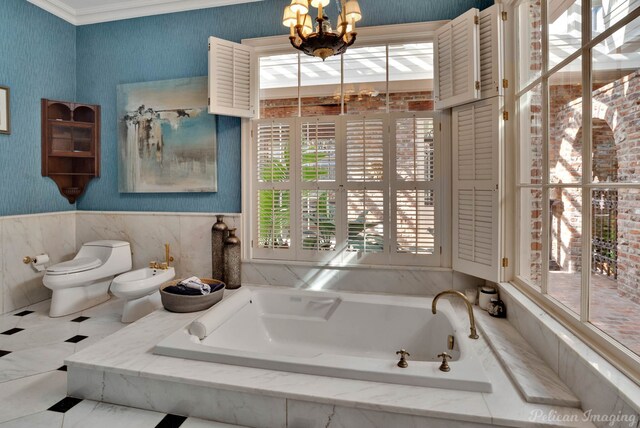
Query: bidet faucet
x=167 y=255
x=472 y=320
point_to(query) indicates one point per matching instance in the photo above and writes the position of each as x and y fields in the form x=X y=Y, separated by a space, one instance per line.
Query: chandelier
x=322 y=41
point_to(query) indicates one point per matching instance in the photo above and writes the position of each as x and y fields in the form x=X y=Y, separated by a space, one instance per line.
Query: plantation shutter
x=272 y=147
x=366 y=185
x=414 y=188
x=319 y=222
x=456 y=61
x=231 y=79
x=476 y=202
x=491 y=51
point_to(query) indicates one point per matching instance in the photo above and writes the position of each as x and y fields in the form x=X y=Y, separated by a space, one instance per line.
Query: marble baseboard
x=30 y=235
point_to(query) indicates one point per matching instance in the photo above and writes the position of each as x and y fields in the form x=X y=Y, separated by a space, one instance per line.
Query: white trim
x=15 y=216
x=127 y=10
x=157 y=213
x=382 y=34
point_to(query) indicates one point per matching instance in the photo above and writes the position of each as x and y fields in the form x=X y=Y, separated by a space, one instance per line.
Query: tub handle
x=444 y=367
x=403 y=358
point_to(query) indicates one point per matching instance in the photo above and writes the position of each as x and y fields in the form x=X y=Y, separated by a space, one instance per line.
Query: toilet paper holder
x=26 y=260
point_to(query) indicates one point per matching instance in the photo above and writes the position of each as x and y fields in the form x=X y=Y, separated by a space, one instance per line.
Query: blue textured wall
x=174 y=46
x=37 y=60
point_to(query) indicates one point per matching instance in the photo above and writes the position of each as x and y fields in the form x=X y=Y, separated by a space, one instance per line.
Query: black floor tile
x=12 y=331
x=23 y=313
x=80 y=319
x=65 y=404
x=3 y=353
x=76 y=339
x=171 y=421
x=62 y=368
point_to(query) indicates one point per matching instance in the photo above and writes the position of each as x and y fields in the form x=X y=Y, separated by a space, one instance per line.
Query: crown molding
x=126 y=10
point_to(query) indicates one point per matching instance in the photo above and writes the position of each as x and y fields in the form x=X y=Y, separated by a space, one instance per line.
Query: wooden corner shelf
x=70 y=145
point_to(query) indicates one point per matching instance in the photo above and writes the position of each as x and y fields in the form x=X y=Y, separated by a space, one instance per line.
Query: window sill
x=578 y=343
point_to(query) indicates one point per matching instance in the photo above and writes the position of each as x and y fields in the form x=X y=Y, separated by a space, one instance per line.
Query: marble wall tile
x=30 y=235
x=195 y=400
x=407 y=281
x=303 y=414
x=188 y=234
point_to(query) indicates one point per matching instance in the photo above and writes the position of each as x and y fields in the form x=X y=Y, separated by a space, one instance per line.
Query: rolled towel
x=195 y=284
x=182 y=290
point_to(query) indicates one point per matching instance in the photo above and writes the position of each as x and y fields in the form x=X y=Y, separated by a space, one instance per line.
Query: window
x=579 y=179
x=346 y=158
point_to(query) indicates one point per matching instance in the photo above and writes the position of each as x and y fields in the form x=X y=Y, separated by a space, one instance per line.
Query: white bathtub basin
x=346 y=335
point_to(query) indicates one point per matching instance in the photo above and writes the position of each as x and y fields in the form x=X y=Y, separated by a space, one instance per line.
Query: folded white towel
x=195 y=283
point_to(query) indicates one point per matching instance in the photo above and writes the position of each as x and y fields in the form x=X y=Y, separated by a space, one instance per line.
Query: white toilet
x=141 y=290
x=84 y=281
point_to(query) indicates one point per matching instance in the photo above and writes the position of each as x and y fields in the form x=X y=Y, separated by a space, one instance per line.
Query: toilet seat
x=80 y=264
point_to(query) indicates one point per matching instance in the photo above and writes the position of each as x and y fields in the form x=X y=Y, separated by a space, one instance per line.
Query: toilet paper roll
x=40 y=261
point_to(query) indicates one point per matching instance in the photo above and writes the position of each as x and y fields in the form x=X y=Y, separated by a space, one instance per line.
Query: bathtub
x=345 y=335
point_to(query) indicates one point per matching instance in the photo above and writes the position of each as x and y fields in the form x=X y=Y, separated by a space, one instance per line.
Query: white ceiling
x=82 y=12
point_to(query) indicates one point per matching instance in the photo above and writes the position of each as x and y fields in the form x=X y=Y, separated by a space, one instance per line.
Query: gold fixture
x=323 y=41
x=472 y=320
x=444 y=367
x=168 y=258
x=450 y=342
x=403 y=358
x=26 y=260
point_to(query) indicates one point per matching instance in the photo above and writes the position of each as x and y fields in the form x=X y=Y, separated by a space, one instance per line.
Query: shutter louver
x=491 y=51
x=476 y=211
x=415 y=221
x=231 y=79
x=365 y=150
x=457 y=63
x=272 y=141
x=366 y=218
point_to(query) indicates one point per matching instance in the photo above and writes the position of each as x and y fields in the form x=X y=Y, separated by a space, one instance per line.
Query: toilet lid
x=76 y=265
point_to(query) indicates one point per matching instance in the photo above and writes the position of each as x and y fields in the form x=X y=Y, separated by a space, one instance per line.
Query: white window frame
x=612 y=350
x=367 y=36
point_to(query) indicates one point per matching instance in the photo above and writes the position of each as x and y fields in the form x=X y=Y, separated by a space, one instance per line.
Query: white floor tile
x=200 y=423
x=29 y=362
x=31 y=394
x=44 y=419
x=102 y=415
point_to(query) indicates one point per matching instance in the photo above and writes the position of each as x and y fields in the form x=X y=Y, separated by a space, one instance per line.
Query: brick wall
x=354 y=104
x=616 y=158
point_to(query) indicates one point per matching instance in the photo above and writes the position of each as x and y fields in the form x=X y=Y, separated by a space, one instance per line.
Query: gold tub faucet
x=472 y=320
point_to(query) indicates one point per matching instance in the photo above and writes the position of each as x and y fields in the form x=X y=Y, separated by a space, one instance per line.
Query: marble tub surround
x=188 y=234
x=520 y=361
x=405 y=280
x=122 y=369
x=596 y=382
x=30 y=235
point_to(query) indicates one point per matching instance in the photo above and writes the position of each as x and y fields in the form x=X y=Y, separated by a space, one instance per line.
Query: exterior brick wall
x=354 y=104
x=616 y=143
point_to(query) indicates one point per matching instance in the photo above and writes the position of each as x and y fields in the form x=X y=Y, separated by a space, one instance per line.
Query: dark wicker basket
x=181 y=303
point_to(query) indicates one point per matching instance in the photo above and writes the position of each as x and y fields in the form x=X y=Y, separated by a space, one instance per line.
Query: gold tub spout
x=472 y=320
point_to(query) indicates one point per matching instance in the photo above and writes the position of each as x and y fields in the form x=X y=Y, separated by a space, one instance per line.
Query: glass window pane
x=529 y=41
x=531 y=136
x=365 y=214
x=565 y=29
x=565 y=250
x=411 y=77
x=318 y=152
x=274 y=224
x=565 y=124
x=616 y=107
x=279 y=86
x=531 y=236
x=415 y=155
x=615 y=264
x=605 y=13
x=365 y=76
x=320 y=86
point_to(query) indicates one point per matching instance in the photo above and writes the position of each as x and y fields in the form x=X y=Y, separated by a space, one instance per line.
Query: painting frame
x=5 y=110
x=167 y=140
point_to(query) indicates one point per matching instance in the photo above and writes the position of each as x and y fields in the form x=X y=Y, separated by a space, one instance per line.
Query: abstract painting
x=166 y=138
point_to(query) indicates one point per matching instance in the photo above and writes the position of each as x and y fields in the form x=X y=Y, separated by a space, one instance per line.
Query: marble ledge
x=572 y=352
x=126 y=356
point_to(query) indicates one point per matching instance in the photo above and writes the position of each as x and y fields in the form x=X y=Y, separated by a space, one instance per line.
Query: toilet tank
x=115 y=253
